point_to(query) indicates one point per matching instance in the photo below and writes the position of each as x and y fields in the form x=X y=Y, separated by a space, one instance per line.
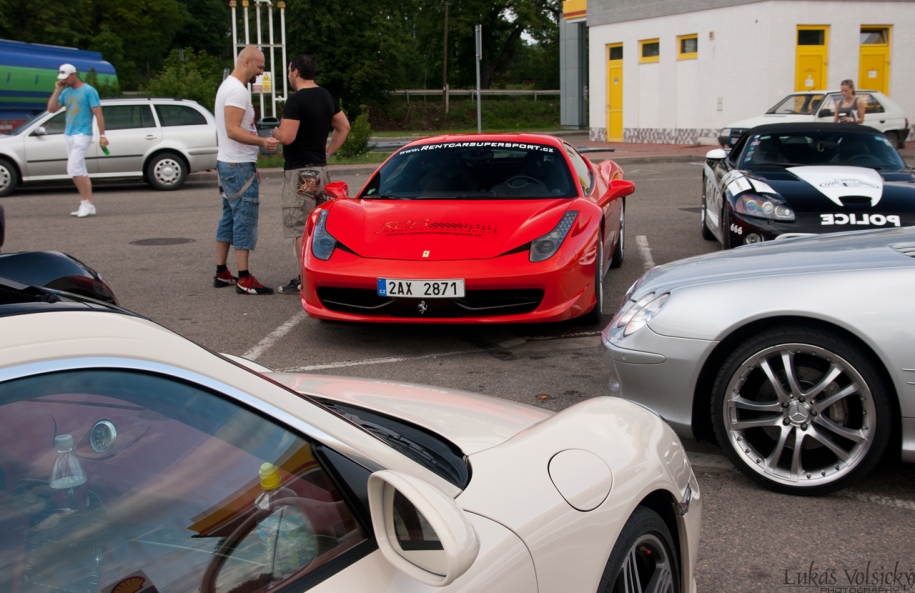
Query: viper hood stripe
x=838 y=182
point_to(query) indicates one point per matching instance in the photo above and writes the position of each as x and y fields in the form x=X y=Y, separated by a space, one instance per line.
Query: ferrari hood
x=441 y=230
x=471 y=421
x=833 y=252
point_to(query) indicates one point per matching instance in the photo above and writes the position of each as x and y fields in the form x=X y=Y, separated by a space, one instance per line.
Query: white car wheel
x=643 y=558
x=166 y=171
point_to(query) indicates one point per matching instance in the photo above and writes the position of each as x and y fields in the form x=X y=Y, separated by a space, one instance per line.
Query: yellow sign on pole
x=263 y=83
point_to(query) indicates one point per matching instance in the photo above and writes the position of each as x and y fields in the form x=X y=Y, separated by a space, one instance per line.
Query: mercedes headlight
x=633 y=316
x=763 y=207
x=546 y=246
x=322 y=242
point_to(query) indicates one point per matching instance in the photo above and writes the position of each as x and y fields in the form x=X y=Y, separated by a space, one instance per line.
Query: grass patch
x=371 y=158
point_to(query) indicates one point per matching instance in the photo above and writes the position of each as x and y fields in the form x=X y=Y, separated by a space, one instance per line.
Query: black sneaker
x=224 y=279
x=293 y=287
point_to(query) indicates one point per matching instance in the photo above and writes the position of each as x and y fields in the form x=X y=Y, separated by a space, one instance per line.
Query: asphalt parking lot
x=157 y=251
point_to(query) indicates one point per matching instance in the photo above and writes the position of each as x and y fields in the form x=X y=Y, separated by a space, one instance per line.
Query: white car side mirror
x=40 y=131
x=420 y=530
x=716 y=155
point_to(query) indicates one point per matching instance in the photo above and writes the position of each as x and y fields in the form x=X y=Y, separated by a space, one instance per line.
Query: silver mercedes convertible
x=797 y=356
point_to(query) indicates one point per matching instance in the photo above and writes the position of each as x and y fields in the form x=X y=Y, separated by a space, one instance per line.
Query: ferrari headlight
x=633 y=316
x=546 y=246
x=763 y=207
x=322 y=242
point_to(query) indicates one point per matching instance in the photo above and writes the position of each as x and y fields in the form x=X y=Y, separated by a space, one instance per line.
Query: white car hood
x=471 y=421
x=774 y=118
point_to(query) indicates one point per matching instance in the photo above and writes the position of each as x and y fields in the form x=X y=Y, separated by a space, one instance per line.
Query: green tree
x=58 y=22
x=206 y=26
x=196 y=77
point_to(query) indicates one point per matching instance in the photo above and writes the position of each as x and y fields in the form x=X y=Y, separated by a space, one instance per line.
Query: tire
x=725 y=221
x=901 y=136
x=594 y=316
x=9 y=178
x=645 y=544
x=619 y=253
x=758 y=415
x=166 y=171
x=706 y=233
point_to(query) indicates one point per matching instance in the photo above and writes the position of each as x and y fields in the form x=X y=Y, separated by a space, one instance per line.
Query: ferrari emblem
x=423 y=307
x=426 y=253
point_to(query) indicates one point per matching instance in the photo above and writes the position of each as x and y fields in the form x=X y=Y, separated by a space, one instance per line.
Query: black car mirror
x=825 y=113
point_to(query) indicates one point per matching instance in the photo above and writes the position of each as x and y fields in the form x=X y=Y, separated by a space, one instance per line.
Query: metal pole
x=244 y=3
x=272 y=61
x=282 y=6
x=444 y=63
x=257 y=7
x=234 y=34
x=479 y=31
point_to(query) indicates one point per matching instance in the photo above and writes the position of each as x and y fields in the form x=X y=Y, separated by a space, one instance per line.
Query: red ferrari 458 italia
x=493 y=228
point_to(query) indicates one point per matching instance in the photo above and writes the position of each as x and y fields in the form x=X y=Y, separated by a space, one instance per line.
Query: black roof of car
x=802 y=127
x=17 y=298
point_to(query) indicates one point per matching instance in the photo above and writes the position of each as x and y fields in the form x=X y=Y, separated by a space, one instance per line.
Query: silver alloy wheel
x=646 y=569
x=167 y=171
x=6 y=178
x=622 y=237
x=799 y=415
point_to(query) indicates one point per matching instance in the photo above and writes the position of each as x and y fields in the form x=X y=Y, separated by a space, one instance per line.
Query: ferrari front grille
x=475 y=303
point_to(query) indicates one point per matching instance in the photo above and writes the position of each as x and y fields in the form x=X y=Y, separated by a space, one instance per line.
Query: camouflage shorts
x=303 y=191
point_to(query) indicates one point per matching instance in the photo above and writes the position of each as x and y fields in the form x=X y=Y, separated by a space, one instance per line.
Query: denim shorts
x=238 y=225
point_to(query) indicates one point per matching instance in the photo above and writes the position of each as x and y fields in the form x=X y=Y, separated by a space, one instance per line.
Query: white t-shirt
x=233 y=93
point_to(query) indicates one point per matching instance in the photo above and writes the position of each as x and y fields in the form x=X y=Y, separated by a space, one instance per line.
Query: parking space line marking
x=644 y=251
x=356 y=363
x=274 y=336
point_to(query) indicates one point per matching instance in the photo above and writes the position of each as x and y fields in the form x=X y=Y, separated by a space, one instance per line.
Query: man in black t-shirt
x=309 y=115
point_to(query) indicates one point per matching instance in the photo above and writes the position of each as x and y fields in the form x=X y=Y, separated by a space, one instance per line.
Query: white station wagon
x=158 y=140
x=880 y=112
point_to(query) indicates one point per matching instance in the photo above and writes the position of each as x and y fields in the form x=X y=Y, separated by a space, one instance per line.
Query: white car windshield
x=802 y=104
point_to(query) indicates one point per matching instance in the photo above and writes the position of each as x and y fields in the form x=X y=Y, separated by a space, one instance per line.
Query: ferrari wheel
x=619 y=253
x=706 y=233
x=594 y=316
x=801 y=411
x=643 y=558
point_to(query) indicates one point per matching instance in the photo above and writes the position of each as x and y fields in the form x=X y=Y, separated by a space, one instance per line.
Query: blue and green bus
x=28 y=72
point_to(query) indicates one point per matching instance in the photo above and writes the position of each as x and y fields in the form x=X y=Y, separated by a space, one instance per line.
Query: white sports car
x=134 y=461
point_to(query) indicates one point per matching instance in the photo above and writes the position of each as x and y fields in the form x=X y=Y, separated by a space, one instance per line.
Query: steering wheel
x=527 y=179
x=208 y=582
x=866 y=160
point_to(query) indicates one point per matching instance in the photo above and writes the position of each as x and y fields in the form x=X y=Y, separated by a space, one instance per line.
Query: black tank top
x=850 y=112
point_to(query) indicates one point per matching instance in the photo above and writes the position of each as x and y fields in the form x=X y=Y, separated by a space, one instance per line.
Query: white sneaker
x=84 y=211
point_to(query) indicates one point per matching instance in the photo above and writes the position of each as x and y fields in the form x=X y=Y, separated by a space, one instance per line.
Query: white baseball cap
x=65 y=71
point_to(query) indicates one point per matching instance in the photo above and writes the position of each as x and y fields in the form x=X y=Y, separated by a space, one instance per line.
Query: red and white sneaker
x=224 y=279
x=250 y=285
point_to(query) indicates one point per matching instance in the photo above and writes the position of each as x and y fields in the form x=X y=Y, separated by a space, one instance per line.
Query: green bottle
x=106 y=151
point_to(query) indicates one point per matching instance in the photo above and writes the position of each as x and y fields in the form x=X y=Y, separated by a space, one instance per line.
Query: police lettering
x=859 y=219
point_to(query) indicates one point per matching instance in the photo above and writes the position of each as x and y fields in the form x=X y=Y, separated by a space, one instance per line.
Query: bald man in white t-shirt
x=236 y=163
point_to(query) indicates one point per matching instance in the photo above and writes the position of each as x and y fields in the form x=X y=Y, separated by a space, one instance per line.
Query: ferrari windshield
x=802 y=104
x=827 y=148
x=482 y=170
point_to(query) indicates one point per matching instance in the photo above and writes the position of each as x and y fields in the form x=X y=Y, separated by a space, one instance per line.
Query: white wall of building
x=746 y=63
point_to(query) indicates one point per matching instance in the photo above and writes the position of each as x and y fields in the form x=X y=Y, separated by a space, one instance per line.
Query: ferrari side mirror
x=336 y=190
x=420 y=530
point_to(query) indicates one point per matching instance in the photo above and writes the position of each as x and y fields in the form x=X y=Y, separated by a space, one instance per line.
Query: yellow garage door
x=615 y=92
x=874 y=63
x=812 y=55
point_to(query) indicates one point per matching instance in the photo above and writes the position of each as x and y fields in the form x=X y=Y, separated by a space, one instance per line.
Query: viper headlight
x=726 y=132
x=322 y=242
x=633 y=316
x=763 y=207
x=546 y=246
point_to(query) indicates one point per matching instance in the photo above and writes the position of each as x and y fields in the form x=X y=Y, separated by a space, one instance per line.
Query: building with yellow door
x=677 y=71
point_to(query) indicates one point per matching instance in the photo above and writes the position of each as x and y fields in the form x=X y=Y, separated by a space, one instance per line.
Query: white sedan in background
x=880 y=112
x=132 y=460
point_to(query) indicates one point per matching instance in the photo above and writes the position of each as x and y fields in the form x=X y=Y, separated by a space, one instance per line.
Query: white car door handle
x=150 y=137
